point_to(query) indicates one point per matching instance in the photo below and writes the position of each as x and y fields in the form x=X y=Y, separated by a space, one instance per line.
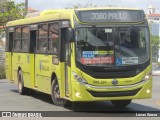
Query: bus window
x=7 y=41
x=132 y=43
x=42 y=38
x=10 y=42
x=25 y=39
x=17 y=40
x=33 y=36
x=53 y=38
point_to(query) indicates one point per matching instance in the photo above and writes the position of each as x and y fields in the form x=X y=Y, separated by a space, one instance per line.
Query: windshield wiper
x=127 y=33
x=94 y=29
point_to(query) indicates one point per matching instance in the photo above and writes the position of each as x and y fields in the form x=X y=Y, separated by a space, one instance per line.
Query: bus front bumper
x=86 y=92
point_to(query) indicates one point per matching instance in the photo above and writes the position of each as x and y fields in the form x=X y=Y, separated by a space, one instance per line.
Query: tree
x=75 y=6
x=89 y=5
x=10 y=11
x=155 y=47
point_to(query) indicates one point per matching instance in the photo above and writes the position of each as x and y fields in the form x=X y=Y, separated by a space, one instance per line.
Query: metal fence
x=2 y=55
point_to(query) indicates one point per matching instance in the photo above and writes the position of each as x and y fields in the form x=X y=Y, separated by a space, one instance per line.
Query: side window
x=42 y=38
x=17 y=40
x=25 y=39
x=7 y=41
x=53 y=38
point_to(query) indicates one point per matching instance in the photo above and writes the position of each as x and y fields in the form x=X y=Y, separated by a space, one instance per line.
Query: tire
x=120 y=103
x=55 y=94
x=21 y=89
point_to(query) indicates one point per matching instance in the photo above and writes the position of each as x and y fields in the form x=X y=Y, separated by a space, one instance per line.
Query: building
x=153 y=15
x=31 y=10
x=155 y=28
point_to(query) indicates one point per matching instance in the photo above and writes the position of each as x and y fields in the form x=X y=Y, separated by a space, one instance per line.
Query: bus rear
x=111 y=56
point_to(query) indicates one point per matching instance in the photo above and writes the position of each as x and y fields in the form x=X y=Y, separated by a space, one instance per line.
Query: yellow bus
x=87 y=54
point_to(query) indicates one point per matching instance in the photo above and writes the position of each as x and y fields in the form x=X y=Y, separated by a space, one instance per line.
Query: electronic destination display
x=94 y=16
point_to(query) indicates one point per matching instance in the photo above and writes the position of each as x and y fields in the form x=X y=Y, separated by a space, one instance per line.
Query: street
x=10 y=100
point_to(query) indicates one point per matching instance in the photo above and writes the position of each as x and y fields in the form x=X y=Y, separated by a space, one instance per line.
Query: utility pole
x=26 y=7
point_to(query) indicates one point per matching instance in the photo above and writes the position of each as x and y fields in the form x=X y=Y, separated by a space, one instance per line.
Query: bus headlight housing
x=79 y=79
x=147 y=77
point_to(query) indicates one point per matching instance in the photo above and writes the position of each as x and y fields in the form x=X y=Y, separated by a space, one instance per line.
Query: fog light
x=77 y=94
x=148 y=91
x=147 y=77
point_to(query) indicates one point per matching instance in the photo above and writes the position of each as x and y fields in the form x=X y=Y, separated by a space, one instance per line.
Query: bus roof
x=108 y=8
x=49 y=15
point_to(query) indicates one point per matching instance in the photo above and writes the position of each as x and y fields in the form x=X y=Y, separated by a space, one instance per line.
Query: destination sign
x=94 y=16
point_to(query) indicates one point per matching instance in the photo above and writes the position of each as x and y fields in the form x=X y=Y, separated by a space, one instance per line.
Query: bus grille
x=114 y=93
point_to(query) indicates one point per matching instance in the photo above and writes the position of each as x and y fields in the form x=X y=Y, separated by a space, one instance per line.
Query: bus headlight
x=79 y=79
x=147 y=77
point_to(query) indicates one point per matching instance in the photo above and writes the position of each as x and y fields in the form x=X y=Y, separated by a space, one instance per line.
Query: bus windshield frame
x=113 y=55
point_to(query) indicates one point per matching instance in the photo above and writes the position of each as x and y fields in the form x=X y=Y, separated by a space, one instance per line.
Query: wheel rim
x=56 y=91
x=19 y=83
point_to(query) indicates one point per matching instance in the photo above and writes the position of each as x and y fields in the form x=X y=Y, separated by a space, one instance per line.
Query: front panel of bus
x=111 y=56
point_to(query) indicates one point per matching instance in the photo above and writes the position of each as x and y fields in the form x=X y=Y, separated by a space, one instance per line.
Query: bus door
x=33 y=37
x=11 y=36
x=67 y=61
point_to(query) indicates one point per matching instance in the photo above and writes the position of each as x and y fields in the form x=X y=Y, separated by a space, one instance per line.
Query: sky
x=57 y=4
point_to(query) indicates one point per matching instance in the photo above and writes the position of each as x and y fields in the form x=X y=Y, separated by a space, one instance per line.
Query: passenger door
x=33 y=37
x=9 y=52
x=65 y=55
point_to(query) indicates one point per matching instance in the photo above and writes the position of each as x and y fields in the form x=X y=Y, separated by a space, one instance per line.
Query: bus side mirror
x=71 y=35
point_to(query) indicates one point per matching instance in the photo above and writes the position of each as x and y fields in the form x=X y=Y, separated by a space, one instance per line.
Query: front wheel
x=21 y=89
x=55 y=94
x=120 y=103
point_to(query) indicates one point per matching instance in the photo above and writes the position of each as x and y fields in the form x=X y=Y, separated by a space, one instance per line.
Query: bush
x=2 y=72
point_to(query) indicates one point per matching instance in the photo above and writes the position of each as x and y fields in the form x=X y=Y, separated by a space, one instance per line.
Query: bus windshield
x=119 y=46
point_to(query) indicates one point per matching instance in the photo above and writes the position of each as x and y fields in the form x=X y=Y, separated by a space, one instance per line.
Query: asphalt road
x=10 y=100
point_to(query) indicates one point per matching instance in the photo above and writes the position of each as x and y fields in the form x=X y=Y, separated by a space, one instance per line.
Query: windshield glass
x=112 y=46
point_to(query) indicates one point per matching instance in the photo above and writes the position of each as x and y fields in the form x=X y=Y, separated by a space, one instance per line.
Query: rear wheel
x=121 y=103
x=21 y=89
x=55 y=94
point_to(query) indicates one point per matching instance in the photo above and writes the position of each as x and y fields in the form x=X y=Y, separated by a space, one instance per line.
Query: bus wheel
x=121 y=103
x=21 y=89
x=55 y=94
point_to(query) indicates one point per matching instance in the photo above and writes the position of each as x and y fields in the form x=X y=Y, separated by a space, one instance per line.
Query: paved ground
x=10 y=100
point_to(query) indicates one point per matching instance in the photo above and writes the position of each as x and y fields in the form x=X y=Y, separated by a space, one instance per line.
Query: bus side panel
x=8 y=65
x=21 y=61
x=25 y=67
x=32 y=71
x=16 y=64
x=42 y=74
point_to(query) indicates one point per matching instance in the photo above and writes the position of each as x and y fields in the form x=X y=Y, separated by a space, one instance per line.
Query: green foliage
x=155 y=40
x=2 y=72
x=155 y=47
x=75 y=6
x=10 y=11
x=89 y=5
